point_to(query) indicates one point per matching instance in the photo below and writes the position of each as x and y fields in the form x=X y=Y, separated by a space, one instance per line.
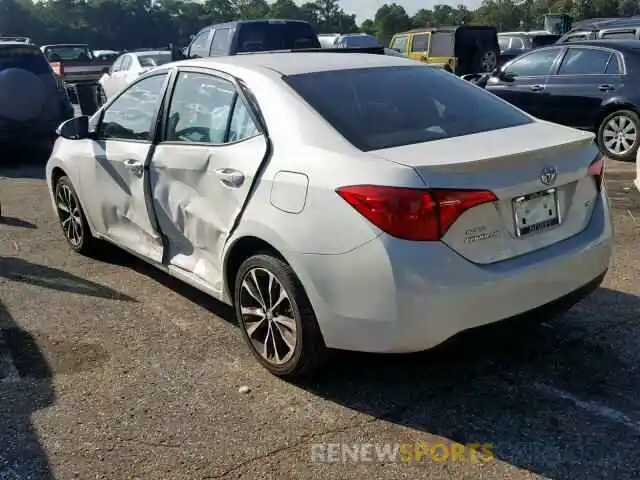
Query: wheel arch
x=240 y=250
x=57 y=172
x=610 y=107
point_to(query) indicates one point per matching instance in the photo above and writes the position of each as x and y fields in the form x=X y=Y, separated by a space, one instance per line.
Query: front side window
x=207 y=109
x=117 y=65
x=534 y=64
x=578 y=37
x=503 y=42
x=385 y=107
x=399 y=43
x=130 y=116
x=126 y=63
x=420 y=42
x=200 y=44
x=584 y=61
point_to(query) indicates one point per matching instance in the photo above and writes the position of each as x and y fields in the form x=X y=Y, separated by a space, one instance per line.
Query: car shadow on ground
x=558 y=399
x=28 y=363
x=113 y=255
x=552 y=399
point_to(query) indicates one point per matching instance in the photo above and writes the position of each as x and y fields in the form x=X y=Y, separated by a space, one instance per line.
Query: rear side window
x=221 y=41
x=441 y=45
x=385 y=107
x=26 y=57
x=274 y=35
x=584 y=61
x=626 y=35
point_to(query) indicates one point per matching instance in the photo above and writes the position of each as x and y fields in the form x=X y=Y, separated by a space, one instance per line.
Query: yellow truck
x=460 y=49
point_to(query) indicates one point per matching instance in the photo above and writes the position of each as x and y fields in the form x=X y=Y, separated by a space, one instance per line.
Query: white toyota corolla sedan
x=338 y=200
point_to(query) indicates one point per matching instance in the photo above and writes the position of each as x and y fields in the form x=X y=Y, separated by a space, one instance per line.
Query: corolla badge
x=548 y=175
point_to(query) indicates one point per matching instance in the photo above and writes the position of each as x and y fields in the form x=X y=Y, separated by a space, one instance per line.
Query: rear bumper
x=393 y=296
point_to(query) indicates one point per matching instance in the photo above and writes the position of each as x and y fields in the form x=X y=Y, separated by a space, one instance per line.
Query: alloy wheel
x=268 y=316
x=619 y=135
x=70 y=215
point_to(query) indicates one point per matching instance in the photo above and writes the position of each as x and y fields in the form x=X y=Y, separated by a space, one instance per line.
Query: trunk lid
x=511 y=163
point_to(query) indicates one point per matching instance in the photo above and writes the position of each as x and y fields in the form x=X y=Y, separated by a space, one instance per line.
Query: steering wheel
x=194 y=134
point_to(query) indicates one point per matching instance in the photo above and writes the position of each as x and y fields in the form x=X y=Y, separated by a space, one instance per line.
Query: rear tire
x=276 y=318
x=73 y=222
x=619 y=135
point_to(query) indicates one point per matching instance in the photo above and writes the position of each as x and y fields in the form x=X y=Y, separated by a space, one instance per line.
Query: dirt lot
x=111 y=370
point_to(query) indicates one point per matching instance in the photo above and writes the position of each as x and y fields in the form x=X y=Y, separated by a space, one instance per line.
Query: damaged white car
x=335 y=201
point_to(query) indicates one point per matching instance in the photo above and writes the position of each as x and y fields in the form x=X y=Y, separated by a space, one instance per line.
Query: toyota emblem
x=548 y=175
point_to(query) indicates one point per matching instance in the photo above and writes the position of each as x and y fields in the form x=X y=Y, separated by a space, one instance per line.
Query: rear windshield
x=263 y=36
x=358 y=41
x=67 y=53
x=385 y=107
x=154 y=60
x=544 y=40
x=26 y=57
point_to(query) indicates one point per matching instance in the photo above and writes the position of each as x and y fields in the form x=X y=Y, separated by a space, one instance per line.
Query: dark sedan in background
x=592 y=85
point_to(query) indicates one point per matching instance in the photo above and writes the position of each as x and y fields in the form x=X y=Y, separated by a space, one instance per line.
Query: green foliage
x=120 y=24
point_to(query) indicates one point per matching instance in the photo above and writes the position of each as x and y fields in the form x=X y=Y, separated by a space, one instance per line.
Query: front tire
x=72 y=219
x=619 y=135
x=276 y=317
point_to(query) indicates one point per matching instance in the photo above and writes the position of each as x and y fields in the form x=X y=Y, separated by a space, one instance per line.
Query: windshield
x=68 y=52
x=154 y=59
x=26 y=57
x=385 y=107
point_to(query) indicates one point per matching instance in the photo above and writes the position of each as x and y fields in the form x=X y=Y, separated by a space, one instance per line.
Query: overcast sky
x=367 y=8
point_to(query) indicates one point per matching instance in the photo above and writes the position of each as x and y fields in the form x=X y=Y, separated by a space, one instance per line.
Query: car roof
x=151 y=52
x=235 y=23
x=293 y=63
x=13 y=43
x=622 y=45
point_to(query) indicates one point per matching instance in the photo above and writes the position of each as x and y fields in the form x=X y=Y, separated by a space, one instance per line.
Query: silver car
x=335 y=201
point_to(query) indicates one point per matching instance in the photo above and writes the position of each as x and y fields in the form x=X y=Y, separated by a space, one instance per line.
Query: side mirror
x=505 y=76
x=76 y=128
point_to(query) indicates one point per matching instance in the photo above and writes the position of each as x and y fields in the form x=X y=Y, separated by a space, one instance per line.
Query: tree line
x=128 y=24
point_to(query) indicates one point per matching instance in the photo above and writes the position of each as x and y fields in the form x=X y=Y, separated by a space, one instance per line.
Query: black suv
x=33 y=101
x=244 y=36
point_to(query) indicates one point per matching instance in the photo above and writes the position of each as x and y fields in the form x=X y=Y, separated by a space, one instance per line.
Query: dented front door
x=121 y=147
x=202 y=171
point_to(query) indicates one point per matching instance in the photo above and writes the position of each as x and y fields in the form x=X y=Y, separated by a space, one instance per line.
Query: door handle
x=135 y=166
x=605 y=88
x=536 y=88
x=230 y=177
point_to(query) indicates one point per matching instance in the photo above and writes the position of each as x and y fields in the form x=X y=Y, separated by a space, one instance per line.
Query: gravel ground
x=109 y=369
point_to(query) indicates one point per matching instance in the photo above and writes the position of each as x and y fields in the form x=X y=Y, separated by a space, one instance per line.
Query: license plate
x=536 y=212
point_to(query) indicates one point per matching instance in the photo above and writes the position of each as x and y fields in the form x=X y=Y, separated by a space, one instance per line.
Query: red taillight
x=413 y=214
x=596 y=170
